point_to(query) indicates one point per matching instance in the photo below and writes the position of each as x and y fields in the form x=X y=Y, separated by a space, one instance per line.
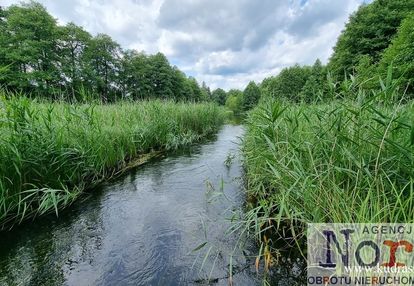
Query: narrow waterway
x=163 y=223
x=142 y=229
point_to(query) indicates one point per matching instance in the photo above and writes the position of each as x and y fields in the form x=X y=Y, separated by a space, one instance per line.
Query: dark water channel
x=144 y=228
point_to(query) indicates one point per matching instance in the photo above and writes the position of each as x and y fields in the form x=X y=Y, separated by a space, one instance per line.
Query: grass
x=349 y=160
x=51 y=152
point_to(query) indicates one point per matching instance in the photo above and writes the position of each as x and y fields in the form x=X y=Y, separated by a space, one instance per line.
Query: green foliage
x=234 y=101
x=219 y=96
x=361 y=57
x=251 y=96
x=197 y=94
x=58 y=62
x=366 y=73
x=315 y=86
x=29 y=44
x=135 y=77
x=50 y=152
x=101 y=58
x=400 y=55
x=206 y=93
x=160 y=75
x=73 y=41
x=289 y=83
x=368 y=33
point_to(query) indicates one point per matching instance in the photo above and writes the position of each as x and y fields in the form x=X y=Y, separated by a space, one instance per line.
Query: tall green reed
x=51 y=152
x=342 y=160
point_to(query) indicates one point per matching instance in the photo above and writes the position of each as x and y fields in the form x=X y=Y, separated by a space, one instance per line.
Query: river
x=163 y=223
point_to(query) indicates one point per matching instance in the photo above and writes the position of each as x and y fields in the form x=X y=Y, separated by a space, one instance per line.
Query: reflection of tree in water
x=55 y=247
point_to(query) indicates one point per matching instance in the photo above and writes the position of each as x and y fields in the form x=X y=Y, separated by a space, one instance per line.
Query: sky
x=225 y=43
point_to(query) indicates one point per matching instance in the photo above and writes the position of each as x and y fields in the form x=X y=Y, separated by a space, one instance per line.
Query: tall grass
x=341 y=161
x=51 y=152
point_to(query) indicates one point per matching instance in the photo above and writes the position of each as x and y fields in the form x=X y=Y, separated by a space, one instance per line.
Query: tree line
x=41 y=58
x=237 y=101
x=376 y=46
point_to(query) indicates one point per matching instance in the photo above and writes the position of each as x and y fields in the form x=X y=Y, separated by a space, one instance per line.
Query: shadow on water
x=163 y=223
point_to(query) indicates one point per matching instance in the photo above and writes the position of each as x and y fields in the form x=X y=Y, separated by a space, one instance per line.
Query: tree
x=195 y=88
x=234 y=101
x=315 y=85
x=206 y=93
x=135 y=75
x=29 y=46
x=219 y=96
x=39 y=57
x=179 y=88
x=102 y=60
x=153 y=77
x=73 y=42
x=251 y=96
x=368 y=32
x=366 y=73
x=289 y=83
x=161 y=76
x=400 y=54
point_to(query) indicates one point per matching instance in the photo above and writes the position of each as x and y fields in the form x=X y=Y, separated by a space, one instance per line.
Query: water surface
x=141 y=229
x=163 y=223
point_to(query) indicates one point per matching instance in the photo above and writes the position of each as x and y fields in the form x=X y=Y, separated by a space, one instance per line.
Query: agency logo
x=360 y=254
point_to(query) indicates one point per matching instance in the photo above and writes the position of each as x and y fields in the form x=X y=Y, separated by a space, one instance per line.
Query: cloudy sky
x=225 y=43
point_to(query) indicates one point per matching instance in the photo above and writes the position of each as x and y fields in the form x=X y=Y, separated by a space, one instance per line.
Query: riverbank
x=51 y=152
x=164 y=223
x=342 y=161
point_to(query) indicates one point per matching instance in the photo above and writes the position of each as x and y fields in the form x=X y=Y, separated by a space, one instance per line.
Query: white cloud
x=224 y=43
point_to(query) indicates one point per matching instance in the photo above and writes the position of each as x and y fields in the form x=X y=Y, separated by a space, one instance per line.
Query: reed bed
x=51 y=152
x=339 y=161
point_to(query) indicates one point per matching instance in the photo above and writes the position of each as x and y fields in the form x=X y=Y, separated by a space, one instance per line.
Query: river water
x=163 y=223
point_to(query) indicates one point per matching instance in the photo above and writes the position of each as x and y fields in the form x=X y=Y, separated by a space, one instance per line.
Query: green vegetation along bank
x=343 y=161
x=51 y=152
x=335 y=143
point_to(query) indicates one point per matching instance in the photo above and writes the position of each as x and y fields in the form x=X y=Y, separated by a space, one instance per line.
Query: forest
x=42 y=59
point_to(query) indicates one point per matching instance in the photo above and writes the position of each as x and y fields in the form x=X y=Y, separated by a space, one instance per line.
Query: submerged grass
x=51 y=152
x=342 y=161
